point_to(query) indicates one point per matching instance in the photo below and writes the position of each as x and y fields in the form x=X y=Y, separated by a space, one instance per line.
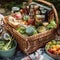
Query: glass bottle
x=37 y=9
x=31 y=21
x=24 y=7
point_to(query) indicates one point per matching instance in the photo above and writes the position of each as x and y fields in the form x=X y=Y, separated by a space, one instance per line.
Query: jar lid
x=24 y=4
x=40 y=16
x=27 y=7
x=36 y=6
x=43 y=11
x=15 y=8
x=32 y=6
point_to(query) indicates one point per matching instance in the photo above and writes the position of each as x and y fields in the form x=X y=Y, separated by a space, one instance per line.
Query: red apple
x=51 y=51
x=18 y=16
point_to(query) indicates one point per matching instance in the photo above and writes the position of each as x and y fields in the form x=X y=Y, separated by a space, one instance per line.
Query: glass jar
x=39 y=19
x=31 y=21
x=15 y=9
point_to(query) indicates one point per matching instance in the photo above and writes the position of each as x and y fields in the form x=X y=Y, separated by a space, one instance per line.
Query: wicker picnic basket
x=32 y=43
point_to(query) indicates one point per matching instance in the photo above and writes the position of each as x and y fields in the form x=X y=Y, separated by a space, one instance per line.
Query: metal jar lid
x=40 y=16
x=15 y=9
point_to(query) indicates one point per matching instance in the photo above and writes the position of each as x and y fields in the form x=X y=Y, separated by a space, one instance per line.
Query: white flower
x=1 y=16
x=6 y=36
x=1 y=19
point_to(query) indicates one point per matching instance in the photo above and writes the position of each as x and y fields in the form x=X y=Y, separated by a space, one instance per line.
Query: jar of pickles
x=15 y=9
x=39 y=19
x=31 y=21
x=31 y=12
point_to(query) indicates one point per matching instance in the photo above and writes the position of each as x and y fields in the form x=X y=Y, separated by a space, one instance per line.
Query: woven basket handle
x=53 y=7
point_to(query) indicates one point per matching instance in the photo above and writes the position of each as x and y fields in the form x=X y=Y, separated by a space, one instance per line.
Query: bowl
x=55 y=56
x=9 y=53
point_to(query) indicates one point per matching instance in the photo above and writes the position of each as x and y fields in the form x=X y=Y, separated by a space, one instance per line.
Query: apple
x=58 y=52
x=18 y=16
x=58 y=49
x=51 y=51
